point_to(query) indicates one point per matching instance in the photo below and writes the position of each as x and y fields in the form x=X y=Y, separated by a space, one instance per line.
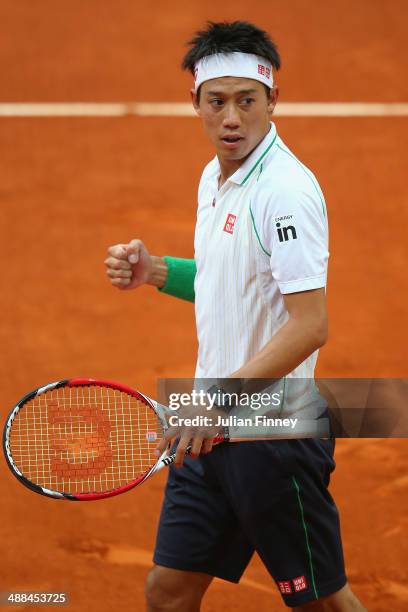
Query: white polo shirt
x=262 y=235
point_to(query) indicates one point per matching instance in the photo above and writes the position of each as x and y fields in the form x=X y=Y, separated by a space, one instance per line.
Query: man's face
x=236 y=113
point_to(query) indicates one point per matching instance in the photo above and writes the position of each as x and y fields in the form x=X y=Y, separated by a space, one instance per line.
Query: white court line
x=180 y=109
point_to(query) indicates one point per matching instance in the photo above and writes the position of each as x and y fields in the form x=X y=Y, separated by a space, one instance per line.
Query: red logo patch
x=299 y=583
x=229 y=224
x=264 y=70
x=285 y=587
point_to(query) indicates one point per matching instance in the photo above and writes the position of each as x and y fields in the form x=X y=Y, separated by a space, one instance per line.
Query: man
x=258 y=281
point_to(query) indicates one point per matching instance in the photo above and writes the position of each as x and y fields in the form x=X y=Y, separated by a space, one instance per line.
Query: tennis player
x=258 y=282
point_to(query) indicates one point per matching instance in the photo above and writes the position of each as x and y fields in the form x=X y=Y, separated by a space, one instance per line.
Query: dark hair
x=225 y=37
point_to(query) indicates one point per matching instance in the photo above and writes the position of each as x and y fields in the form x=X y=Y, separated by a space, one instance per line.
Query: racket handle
x=224 y=437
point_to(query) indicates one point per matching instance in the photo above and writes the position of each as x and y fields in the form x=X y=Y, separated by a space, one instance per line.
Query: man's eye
x=247 y=100
x=216 y=102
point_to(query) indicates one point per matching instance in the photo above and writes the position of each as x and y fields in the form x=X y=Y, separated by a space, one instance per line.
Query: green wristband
x=180 y=278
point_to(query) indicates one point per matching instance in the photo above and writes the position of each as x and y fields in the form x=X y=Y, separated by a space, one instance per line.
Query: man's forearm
x=291 y=345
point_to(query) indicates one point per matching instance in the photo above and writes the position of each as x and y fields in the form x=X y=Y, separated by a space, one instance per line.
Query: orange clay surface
x=71 y=187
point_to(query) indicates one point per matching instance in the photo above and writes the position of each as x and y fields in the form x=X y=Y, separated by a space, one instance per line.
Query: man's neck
x=229 y=166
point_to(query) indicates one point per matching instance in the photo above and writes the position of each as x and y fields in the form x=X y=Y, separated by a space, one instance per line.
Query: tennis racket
x=84 y=439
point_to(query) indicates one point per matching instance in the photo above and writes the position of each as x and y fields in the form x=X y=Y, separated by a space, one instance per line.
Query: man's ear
x=273 y=98
x=195 y=102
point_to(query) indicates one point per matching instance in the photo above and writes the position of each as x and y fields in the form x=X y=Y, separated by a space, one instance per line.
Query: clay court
x=72 y=186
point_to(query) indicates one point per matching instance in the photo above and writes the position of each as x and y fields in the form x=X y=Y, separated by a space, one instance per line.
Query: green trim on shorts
x=309 y=552
x=180 y=278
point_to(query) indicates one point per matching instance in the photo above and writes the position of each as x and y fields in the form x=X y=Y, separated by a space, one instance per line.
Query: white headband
x=244 y=65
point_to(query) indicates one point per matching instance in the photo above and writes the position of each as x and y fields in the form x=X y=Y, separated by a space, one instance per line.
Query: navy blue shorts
x=270 y=497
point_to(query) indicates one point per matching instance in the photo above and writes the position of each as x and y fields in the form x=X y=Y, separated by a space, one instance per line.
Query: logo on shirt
x=229 y=223
x=285 y=233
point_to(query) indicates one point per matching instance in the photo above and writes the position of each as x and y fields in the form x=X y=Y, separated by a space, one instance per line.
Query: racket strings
x=84 y=439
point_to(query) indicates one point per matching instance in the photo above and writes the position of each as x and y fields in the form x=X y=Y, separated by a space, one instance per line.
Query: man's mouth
x=231 y=141
x=231 y=138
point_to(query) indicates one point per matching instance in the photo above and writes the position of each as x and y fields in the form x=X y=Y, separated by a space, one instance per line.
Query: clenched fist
x=129 y=265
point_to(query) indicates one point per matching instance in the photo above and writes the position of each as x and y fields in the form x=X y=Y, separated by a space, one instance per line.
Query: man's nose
x=231 y=117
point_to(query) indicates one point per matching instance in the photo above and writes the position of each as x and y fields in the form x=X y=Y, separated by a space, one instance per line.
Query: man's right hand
x=129 y=265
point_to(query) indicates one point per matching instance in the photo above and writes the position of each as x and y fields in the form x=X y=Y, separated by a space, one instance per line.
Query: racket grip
x=224 y=437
